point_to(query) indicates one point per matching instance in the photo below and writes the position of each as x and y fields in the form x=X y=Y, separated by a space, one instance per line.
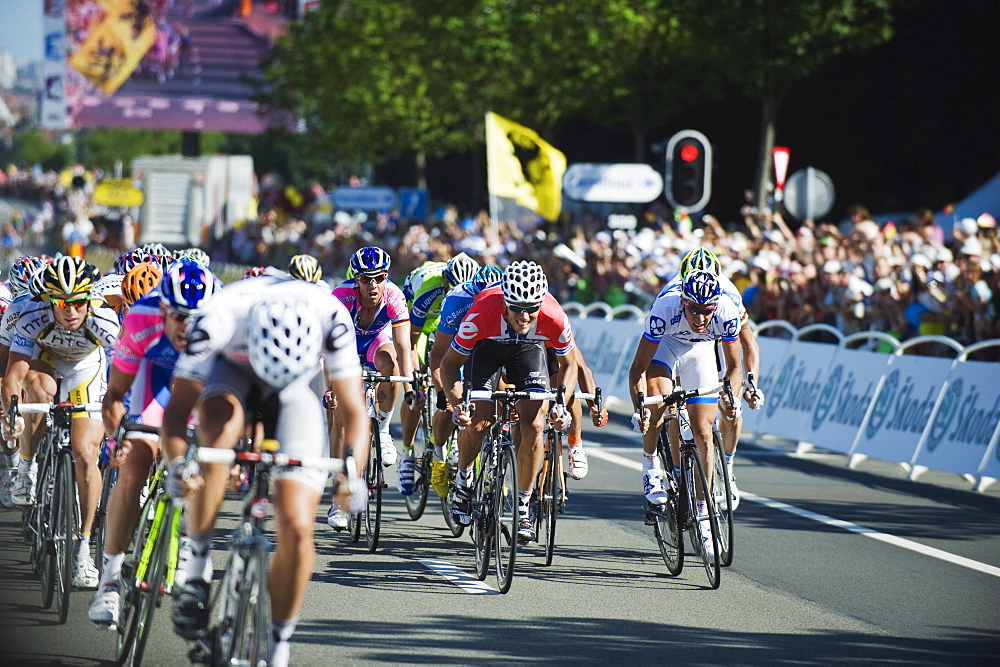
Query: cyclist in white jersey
x=269 y=346
x=67 y=334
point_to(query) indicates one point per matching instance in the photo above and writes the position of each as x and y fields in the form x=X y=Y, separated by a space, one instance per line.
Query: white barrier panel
x=902 y=408
x=842 y=404
x=772 y=355
x=608 y=347
x=965 y=421
x=796 y=389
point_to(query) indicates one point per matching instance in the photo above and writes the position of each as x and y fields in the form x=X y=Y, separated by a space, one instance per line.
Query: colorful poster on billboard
x=161 y=64
x=54 y=114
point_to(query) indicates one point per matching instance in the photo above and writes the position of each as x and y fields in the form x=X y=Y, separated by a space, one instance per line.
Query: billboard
x=157 y=64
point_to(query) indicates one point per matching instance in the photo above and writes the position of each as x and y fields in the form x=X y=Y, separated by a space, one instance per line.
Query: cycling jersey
x=391 y=313
x=5 y=298
x=456 y=304
x=37 y=332
x=11 y=315
x=666 y=319
x=485 y=321
x=144 y=351
x=427 y=287
x=728 y=289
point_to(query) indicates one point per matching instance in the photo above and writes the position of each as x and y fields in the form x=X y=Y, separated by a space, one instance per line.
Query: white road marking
x=459 y=577
x=596 y=451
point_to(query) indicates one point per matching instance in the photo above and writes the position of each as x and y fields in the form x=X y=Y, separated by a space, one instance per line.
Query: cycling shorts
x=83 y=380
x=148 y=396
x=692 y=363
x=292 y=415
x=526 y=366
x=369 y=346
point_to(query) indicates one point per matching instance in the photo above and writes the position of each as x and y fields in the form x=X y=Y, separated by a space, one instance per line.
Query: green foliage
x=35 y=147
x=102 y=147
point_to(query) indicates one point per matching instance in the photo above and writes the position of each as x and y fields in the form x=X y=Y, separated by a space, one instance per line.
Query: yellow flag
x=117 y=44
x=524 y=167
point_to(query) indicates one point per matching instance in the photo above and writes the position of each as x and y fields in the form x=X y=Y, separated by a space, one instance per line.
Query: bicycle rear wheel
x=252 y=630
x=451 y=456
x=481 y=527
x=416 y=502
x=694 y=476
x=64 y=532
x=156 y=569
x=373 y=476
x=723 y=501
x=109 y=478
x=505 y=514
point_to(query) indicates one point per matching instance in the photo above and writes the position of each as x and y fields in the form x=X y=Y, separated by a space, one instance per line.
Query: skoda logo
x=882 y=402
x=781 y=385
x=944 y=416
x=826 y=401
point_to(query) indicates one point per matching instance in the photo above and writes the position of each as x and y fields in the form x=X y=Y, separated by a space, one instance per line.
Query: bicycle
x=551 y=493
x=149 y=569
x=451 y=456
x=241 y=634
x=679 y=513
x=54 y=519
x=423 y=448
x=374 y=475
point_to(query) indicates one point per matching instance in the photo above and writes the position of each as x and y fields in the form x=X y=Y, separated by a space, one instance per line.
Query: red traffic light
x=690 y=153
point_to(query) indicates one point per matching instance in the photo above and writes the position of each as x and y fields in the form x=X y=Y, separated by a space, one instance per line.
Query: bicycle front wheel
x=481 y=527
x=109 y=476
x=705 y=547
x=64 y=532
x=723 y=501
x=451 y=456
x=373 y=476
x=505 y=513
x=41 y=516
x=252 y=630
x=156 y=568
x=549 y=490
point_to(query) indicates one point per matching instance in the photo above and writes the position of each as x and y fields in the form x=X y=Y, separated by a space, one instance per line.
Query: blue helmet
x=130 y=259
x=187 y=286
x=370 y=261
x=701 y=288
x=486 y=276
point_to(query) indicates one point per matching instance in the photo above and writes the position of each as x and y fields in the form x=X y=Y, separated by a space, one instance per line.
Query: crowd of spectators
x=900 y=277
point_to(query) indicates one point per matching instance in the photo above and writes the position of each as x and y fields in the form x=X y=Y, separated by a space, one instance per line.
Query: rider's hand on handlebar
x=414 y=399
x=560 y=417
x=461 y=418
x=599 y=417
x=183 y=478
x=755 y=398
x=14 y=434
x=640 y=424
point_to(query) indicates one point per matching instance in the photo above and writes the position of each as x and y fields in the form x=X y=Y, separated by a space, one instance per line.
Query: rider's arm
x=173 y=434
x=583 y=373
x=751 y=351
x=734 y=372
x=113 y=405
x=4 y=354
x=17 y=370
x=451 y=382
x=353 y=416
x=644 y=354
x=442 y=343
x=400 y=340
x=566 y=377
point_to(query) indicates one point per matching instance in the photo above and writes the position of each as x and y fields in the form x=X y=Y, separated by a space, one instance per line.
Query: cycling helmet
x=370 y=261
x=460 y=269
x=157 y=249
x=21 y=271
x=36 y=286
x=524 y=282
x=701 y=288
x=70 y=275
x=109 y=285
x=131 y=258
x=139 y=281
x=305 y=267
x=284 y=340
x=187 y=286
x=486 y=276
x=699 y=259
x=197 y=254
x=254 y=272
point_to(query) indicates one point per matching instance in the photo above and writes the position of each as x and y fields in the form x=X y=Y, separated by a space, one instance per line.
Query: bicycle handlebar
x=213 y=455
x=374 y=377
x=678 y=396
x=45 y=408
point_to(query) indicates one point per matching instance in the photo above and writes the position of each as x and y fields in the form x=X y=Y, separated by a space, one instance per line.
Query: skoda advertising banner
x=772 y=355
x=608 y=347
x=795 y=389
x=966 y=420
x=843 y=401
x=902 y=408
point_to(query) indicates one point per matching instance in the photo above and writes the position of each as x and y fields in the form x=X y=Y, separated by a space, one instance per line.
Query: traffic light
x=689 y=170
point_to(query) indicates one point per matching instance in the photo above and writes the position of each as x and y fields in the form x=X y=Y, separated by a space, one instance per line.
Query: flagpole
x=494 y=202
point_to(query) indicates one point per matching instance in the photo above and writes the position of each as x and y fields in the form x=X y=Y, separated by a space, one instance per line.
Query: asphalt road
x=886 y=583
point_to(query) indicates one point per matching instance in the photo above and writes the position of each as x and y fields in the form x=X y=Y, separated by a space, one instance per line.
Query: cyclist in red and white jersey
x=509 y=327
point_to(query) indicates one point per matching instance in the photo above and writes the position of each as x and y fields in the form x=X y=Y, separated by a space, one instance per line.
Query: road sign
x=625 y=183
x=117 y=192
x=809 y=193
x=364 y=198
x=413 y=202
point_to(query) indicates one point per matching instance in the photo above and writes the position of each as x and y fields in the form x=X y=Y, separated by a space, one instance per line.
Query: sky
x=21 y=28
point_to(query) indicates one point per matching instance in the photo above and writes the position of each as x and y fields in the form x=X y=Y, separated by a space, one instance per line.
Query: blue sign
x=365 y=198
x=413 y=202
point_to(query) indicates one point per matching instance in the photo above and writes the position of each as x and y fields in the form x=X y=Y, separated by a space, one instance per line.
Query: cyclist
x=305 y=267
x=456 y=304
x=428 y=285
x=509 y=327
x=679 y=341
x=702 y=259
x=65 y=333
x=260 y=349
x=153 y=333
x=139 y=281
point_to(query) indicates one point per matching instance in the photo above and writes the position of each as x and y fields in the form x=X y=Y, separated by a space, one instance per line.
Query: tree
x=103 y=147
x=762 y=47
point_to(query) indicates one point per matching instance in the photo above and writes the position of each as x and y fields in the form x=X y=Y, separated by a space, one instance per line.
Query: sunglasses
x=524 y=309
x=75 y=302
x=378 y=280
x=177 y=315
x=695 y=310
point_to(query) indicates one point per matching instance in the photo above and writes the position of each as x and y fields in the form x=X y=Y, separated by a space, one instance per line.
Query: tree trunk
x=763 y=182
x=420 y=164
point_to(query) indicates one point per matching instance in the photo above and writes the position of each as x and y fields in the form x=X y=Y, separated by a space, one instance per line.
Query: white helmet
x=109 y=285
x=524 y=282
x=284 y=340
x=460 y=269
